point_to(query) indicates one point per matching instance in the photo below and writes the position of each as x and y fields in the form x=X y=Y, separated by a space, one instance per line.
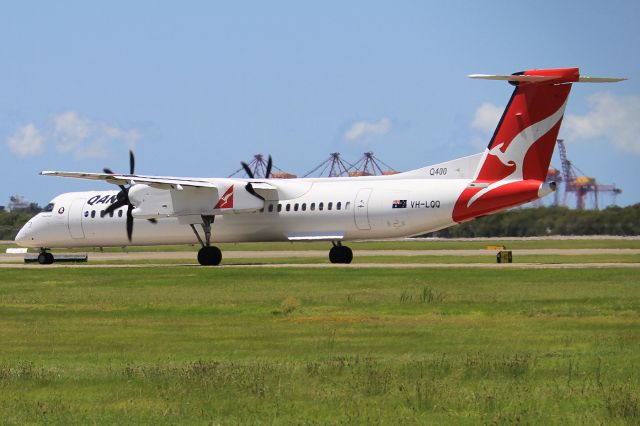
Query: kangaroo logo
x=513 y=155
x=226 y=201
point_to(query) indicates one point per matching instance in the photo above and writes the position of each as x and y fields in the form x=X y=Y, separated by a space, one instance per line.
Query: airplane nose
x=23 y=234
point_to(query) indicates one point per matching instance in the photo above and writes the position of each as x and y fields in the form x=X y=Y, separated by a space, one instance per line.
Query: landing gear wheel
x=340 y=254
x=45 y=258
x=347 y=254
x=209 y=256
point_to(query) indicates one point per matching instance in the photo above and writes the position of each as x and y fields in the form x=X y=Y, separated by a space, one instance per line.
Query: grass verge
x=296 y=345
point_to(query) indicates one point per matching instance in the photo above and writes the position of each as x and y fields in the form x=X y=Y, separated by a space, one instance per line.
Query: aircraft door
x=75 y=218
x=361 y=210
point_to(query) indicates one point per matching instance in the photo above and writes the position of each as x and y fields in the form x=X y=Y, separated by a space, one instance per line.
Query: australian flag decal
x=399 y=204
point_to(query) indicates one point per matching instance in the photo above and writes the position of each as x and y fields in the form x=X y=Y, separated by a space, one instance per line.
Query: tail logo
x=512 y=156
x=226 y=201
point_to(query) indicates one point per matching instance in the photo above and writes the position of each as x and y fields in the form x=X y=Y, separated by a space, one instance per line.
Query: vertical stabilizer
x=516 y=162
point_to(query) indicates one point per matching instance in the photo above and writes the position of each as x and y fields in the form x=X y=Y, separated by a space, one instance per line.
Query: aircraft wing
x=163 y=182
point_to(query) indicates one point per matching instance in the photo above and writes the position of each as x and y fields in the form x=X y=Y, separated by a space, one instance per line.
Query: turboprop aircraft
x=178 y=210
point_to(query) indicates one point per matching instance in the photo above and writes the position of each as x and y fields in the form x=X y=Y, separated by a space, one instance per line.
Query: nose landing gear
x=45 y=258
x=340 y=253
x=208 y=255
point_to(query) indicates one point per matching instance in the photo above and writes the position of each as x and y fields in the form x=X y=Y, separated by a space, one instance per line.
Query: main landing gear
x=208 y=255
x=340 y=253
x=45 y=258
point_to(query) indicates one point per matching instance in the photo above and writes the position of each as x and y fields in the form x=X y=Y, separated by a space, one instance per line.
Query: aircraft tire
x=209 y=256
x=340 y=254
x=45 y=258
x=347 y=254
x=334 y=254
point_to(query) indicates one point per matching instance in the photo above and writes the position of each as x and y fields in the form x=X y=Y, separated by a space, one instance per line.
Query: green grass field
x=339 y=346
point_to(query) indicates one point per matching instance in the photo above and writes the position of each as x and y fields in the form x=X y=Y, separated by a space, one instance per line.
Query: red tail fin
x=528 y=129
x=517 y=159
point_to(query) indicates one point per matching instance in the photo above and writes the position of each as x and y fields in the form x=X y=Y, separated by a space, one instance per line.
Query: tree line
x=523 y=222
x=541 y=221
x=11 y=222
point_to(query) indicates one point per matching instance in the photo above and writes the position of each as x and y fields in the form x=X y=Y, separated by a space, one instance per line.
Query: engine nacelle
x=152 y=202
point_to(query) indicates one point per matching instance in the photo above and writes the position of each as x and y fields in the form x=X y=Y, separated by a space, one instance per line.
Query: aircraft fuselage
x=342 y=210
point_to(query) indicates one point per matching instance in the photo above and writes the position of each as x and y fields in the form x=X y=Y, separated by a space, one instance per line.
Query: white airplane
x=174 y=210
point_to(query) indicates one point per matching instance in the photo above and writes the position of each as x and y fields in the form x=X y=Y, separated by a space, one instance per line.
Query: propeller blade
x=109 y=171
x=113 y=207
x=129 y=222
x=269 y=165
x=132 y=162
x=247 y=169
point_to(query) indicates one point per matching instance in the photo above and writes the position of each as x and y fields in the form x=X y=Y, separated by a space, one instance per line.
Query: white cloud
x=486 y=117
x=72 y=134
x=486 y=120
x=87 y=139
x=70 y=130
x=615 y=118
x=365 y=131
x=26 y=141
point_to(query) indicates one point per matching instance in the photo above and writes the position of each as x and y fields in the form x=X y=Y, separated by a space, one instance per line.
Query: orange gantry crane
x=335 y=164
x=258 y=167
x=369 y=165
x=576 y=182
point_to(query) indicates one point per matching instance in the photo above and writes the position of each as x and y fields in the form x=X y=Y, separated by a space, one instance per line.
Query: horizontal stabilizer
x=528 y=78
x=543 y=78
x=600 y=79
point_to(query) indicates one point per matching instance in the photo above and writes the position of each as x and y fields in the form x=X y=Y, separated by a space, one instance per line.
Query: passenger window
x=338 y=205
x=320 y=206
x=93 y=214
x=329 y=205
x=312 y=207
x=270 y=208
x=111 y=213
x=304 y=207
x=288 y=207
x=347 y=205
x=119 y=213
x=279 y=207
x=295 y=207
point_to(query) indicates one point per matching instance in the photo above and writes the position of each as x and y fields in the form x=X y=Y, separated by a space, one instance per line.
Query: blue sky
x=196 y=87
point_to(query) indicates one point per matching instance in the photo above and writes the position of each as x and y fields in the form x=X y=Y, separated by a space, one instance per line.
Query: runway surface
x=278 y=254
x=102 y=260
x=350 y=266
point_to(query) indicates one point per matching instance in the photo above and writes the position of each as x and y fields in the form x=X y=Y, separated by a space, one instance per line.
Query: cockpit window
x=48 y=208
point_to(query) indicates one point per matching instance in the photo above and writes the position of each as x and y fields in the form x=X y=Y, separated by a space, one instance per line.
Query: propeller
x=247 y=169
x=122 y=198
x=249 y=172
x=269 y=165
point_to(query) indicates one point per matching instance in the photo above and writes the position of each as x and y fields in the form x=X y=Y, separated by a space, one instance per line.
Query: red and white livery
x=171 y=210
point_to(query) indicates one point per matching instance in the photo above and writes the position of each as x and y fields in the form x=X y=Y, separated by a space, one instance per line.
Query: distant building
x=18 y=203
